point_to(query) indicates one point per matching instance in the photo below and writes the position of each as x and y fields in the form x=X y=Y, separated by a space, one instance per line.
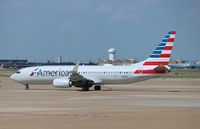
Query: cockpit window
x=18 y=72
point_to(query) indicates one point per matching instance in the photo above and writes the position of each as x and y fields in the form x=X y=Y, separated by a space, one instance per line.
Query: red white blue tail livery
x=87 y=76
x=159 y=57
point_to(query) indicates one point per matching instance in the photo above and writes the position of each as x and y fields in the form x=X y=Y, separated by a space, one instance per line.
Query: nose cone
x=14 y=77
x=18 y=78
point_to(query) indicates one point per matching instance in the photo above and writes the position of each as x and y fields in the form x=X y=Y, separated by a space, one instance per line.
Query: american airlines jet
x=87 y=76
x=1 y=67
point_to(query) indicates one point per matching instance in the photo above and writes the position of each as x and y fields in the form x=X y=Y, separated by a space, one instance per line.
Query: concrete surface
x=152 y=104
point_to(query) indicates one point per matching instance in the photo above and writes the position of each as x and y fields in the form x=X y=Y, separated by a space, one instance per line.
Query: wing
x=76 y=80
x=94 y=79
x=80 y=81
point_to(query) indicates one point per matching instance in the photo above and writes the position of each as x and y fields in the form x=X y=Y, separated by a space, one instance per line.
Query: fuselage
x=107 y=74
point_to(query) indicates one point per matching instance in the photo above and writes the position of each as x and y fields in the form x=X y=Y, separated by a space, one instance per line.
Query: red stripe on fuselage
x=149 y=71
x=156 y=63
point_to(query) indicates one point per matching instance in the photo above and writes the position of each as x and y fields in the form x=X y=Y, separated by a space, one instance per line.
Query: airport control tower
x=112 y=54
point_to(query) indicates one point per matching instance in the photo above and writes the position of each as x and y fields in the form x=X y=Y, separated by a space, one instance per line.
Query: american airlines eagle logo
x=35 y=72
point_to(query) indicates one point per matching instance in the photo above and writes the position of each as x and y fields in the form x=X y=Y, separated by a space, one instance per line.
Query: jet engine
x=62 y=83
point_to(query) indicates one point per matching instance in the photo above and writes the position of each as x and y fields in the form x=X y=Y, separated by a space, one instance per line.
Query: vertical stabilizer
x=160 y=57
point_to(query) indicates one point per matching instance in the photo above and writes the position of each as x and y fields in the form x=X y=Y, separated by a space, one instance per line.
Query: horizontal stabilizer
x=161 y=69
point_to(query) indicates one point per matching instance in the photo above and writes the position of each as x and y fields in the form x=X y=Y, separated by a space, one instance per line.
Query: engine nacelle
x=62 y=83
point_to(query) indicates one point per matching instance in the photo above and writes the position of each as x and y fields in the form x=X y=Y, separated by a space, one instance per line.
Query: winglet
x=75 y=69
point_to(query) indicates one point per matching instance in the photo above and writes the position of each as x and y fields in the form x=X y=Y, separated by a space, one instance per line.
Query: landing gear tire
x=27 y=87
x=97 y=87
x=85 y=88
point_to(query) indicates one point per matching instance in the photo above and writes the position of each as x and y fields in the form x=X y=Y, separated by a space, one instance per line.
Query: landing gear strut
x=97 y=87
x=27 y=87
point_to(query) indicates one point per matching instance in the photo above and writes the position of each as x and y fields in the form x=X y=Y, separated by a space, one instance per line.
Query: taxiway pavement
x=152 y=104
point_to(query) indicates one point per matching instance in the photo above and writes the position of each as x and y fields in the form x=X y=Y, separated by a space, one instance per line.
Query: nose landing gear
x=27 y=87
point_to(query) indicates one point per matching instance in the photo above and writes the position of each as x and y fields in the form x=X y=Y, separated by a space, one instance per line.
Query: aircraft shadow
x=110 y=89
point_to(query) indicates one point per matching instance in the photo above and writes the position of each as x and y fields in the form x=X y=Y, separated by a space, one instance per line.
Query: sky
x=41 y=30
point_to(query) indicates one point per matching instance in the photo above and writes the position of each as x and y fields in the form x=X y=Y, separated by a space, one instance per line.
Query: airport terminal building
x=12 y=63
x=17 y=64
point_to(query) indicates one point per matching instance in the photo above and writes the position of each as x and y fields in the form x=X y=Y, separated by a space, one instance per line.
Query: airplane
x=2 y=66
x=87 y=76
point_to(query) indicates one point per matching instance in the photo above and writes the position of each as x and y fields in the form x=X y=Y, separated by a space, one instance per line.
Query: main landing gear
x=97 y=87
x=27 y=87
